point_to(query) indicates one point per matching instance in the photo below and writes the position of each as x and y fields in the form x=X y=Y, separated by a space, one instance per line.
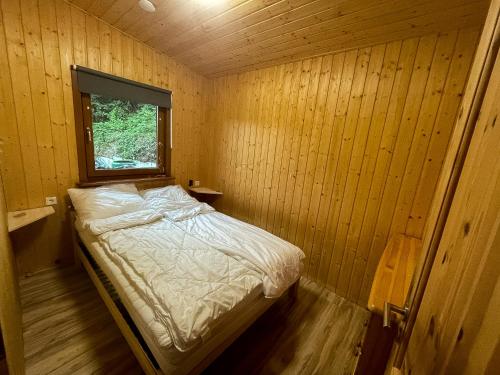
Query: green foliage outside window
x=124 y=130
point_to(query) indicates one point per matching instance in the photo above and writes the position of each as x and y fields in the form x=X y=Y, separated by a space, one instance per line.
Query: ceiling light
x=147 y=5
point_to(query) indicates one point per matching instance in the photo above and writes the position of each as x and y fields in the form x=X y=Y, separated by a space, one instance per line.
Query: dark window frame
x=85 y=146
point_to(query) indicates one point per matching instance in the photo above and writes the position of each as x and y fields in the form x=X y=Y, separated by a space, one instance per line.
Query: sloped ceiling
x=218 y=37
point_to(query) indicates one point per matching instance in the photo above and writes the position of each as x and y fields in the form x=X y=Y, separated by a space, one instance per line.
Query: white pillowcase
x=171 y=201
x=173 y=193
x=105 y=201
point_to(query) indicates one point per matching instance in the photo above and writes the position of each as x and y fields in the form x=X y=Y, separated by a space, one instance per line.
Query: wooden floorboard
x=68 y=330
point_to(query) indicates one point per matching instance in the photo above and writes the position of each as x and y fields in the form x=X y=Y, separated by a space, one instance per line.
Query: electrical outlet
x=50 y=201
x=196 y=183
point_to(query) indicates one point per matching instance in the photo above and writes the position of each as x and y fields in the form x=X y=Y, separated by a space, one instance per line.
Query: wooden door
x=457 y=329
x=478 y=82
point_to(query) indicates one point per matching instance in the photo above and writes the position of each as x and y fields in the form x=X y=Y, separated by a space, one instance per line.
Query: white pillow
x=105 y=201
x=168 y=198
x=172 y=193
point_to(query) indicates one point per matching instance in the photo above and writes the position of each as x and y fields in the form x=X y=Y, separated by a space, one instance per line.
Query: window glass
x=125 y=133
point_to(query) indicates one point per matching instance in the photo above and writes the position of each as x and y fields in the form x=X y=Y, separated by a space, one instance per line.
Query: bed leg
x=293 y=291
x=78 y=261
x=74 y=242
x=76 y=256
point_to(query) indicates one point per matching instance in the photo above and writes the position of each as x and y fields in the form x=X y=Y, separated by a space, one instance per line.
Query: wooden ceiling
x=218 y=37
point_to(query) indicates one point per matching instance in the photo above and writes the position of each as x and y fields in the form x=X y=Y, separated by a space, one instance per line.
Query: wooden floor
x=67 y=330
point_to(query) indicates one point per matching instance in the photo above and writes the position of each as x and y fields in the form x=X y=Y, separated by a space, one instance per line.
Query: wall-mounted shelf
x=391 y=284
x=19 y=219
x=204 y=190
x=394 y=272
x=204 y=194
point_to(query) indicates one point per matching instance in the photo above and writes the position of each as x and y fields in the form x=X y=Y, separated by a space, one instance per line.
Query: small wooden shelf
x=391 y=284
x=19 y=219
x=204 y=190
x=394 y=273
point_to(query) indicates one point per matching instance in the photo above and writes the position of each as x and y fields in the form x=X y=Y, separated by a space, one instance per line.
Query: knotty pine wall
x=38 y=43
x=335 y=153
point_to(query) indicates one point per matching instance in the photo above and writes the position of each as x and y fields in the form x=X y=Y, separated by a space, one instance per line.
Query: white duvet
x=278 y=261
x=195 y=264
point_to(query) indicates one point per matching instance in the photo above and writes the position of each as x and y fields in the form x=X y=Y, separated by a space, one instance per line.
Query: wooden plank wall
x=39 y=40
x=337 y=152
x=11 y=319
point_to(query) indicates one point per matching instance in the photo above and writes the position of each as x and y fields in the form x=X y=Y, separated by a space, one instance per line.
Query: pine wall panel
x=39 y=40
x=336 y=153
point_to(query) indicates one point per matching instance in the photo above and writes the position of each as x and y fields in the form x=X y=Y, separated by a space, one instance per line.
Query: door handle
x=89 y=134
x=389 y=308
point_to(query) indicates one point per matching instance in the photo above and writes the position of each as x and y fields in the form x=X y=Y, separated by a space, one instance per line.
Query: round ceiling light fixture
x=147 y=5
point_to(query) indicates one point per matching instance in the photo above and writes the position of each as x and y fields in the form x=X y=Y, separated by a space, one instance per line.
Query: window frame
x=85 y=144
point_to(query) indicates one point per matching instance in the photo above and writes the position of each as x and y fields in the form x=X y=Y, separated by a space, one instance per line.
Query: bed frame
x=200 y=359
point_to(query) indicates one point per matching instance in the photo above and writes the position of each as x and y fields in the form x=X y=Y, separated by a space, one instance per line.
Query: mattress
x=169 y=358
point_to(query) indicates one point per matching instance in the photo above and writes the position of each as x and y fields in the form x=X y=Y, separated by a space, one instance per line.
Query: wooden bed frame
x=130 y=331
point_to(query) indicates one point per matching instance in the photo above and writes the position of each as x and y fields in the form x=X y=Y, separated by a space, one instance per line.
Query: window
x=123 y=127
x=125 y=133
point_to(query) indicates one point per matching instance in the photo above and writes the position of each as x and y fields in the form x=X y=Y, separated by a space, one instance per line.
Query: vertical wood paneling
x=33 y=41
x=320 y=258
x=452 y=96
x=323 y=172
x=21 y=90
x=308 y=71
x=384 y=157
x=15 y=186
x=38 y=43
x=336 y=153
x=292 y=76
x=346 y=147
x=314 y=144
x=64 y=30
x=352 y=188
x=105 y=47
x=369 y=163
x=92 y=36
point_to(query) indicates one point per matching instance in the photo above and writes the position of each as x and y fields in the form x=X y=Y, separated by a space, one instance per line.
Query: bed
x=181 y=280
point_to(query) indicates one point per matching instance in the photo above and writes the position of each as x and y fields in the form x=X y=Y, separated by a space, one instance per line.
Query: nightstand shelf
x=19 y=219
x=204 y=194
x=204 y=190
